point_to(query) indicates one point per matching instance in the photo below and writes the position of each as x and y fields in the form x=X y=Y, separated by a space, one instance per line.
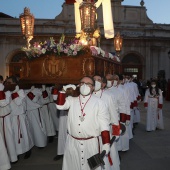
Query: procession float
x=62 y=61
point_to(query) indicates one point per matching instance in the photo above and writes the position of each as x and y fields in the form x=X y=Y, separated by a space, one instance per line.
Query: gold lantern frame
x=27 y=25
x=118 y=42
x=88 y=16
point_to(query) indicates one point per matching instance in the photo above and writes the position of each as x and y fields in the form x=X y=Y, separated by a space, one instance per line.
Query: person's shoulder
x=71 y=98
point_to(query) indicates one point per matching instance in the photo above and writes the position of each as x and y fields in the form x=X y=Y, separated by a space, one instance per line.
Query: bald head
x=109 y=77
x=115 y=77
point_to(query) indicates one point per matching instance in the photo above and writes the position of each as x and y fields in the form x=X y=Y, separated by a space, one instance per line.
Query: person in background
x=153 y=103
x=1 y=79
x=11 y=80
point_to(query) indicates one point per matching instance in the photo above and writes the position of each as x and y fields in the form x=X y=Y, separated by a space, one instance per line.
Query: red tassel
x=110 y=159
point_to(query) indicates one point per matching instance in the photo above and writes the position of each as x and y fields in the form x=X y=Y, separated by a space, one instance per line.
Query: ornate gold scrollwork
x=54 y=66
x=88 y=66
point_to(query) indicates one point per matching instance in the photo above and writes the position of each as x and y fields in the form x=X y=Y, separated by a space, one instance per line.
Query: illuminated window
x=131 y=70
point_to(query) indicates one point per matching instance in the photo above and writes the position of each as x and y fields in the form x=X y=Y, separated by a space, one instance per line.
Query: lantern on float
x=87 y=16
x=27 y=25
x=118 y=41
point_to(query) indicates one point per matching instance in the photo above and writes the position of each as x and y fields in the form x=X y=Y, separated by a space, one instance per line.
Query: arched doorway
x=15 y=64
x=132 y=65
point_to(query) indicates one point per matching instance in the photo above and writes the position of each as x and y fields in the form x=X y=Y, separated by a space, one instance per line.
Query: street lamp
x=27 y=25
x=118 y=40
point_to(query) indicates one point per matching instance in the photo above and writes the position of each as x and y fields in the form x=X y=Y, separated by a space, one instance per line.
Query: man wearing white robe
x=36 y=121
x=4 y=159
x=62 y=130
x=52 y=108
x=123 y=143
x=133 y=99
x=5 y=124
x=46 y=114
x=112 y=89
x=22 y=137
x=87 y=119
x=111 y=104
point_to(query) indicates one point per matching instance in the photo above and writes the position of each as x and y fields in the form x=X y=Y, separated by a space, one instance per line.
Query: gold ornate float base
x=51 y=69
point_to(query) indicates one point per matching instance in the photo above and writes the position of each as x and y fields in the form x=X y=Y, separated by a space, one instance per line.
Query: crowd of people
x=85 y=116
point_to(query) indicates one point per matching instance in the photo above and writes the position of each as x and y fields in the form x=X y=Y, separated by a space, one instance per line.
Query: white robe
x=128 y=110
x=112 y=106
x=46 y=114
x=4 y=159
x=123 y=142
x=62 y=133
x=6 y=130
x=154 y=115
x=132 y=100
x=36 y=122
x=96 y=120
x=136 y=112
x=53 y=111
x=22 y=136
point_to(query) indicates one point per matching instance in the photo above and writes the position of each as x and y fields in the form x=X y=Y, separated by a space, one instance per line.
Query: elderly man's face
x=87 y=81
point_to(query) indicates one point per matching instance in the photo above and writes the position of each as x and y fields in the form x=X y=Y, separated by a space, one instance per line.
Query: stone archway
x=14 y=62
x=132 y=64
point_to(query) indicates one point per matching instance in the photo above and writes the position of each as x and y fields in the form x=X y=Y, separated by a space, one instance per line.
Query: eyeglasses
x=88 y=84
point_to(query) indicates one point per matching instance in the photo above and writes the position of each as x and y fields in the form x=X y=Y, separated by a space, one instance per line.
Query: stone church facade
x=145 y=44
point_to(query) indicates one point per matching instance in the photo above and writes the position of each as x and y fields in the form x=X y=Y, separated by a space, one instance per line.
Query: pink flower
x=66 y=51
x=74 y=52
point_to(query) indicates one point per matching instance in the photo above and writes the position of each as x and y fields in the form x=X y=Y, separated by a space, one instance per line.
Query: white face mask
x=153 y=85
x=115 y=83
x=85 y=90
x=109 y=84
x=98 y=86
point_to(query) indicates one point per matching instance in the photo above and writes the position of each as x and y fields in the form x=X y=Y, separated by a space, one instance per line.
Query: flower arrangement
x=51 y=46
x=72 y=48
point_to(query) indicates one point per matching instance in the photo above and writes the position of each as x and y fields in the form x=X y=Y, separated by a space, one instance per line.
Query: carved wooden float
x=52 y=69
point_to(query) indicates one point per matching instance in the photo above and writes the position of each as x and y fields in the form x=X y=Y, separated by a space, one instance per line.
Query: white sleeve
x=113 y=110
x=103 y=117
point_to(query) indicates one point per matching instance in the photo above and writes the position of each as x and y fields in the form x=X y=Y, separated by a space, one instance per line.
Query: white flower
x=74 y=52
x=43 y=50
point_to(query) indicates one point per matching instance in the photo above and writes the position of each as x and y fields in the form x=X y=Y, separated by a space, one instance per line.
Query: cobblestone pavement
x=148 y=150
